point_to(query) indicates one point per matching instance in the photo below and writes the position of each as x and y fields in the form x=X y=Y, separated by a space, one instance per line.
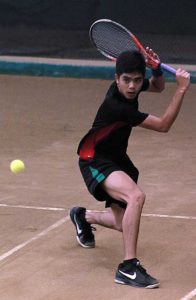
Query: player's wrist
x=181 y=90
x=157 y=72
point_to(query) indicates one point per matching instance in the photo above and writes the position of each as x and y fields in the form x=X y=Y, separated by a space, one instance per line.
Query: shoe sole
x=83 y=245
x=152 y=286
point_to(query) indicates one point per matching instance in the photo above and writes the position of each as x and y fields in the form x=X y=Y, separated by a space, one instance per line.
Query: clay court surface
x=42 y=121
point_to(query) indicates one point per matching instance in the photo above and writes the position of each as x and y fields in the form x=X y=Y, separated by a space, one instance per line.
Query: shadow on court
x=41 y=122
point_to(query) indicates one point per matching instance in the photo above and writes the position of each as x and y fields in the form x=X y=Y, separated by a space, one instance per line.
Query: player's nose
x=131 y=85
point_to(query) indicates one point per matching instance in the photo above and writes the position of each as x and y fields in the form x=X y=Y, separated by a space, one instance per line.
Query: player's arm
x=163 y=123
x=157 y=81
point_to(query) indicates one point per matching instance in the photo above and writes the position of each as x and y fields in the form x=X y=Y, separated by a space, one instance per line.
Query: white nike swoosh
x=77 y=227
x=129 y=275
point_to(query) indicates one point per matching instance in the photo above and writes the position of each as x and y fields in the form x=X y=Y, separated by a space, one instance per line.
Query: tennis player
x=109 y=173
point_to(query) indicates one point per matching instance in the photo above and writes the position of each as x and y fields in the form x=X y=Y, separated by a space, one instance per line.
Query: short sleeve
x=137 y=118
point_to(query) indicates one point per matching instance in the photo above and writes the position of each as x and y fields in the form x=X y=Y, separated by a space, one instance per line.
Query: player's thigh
x=121 y=187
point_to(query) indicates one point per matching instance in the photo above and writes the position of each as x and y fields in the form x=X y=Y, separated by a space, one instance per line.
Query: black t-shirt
x=112 y=125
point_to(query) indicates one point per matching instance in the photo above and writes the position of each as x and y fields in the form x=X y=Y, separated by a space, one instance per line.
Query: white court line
x=169 y=216
x=33 y=207
x=189 y=295
x=63 y=209
x=36 y=237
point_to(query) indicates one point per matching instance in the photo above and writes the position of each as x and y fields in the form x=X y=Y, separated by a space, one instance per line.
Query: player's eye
x=126 y=79
x=138 y=80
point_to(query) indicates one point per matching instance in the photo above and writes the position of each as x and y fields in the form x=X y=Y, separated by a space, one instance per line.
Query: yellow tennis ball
x=17 y=166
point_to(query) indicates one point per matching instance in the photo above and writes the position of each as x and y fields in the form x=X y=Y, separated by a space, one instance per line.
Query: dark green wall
x=151 y=16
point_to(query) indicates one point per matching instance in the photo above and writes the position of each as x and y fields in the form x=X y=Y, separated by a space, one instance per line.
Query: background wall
x=58 y=28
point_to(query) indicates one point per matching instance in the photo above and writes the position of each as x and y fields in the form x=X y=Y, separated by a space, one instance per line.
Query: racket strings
x=111 y=39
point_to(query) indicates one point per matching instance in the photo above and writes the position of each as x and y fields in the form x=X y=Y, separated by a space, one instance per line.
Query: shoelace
x=88 y=230
x=93 y=228
x=141 y=268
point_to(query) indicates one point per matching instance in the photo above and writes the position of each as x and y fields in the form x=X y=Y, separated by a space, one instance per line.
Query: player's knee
x=137 y=199
x=140 y=198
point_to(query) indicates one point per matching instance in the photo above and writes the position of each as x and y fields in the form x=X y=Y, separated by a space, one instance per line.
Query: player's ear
x=117 y=78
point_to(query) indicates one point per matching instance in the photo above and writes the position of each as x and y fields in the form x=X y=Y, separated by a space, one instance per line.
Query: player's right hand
x=183 y=79
x=152 y=59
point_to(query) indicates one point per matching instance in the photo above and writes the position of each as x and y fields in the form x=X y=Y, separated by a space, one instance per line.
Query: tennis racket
x=111 y=39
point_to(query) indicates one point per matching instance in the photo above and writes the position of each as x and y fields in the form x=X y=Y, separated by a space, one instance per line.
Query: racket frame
x=137 y=43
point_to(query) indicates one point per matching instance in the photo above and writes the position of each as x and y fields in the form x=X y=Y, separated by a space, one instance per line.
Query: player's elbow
x=164 y=127
x=161 y=89
x=157 y=86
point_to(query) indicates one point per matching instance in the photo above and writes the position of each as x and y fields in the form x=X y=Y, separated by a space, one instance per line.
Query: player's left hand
x=152 y=60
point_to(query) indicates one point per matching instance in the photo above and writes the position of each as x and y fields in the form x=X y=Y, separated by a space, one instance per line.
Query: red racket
x=111 y=39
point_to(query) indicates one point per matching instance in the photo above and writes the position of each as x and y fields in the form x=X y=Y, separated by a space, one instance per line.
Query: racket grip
x=168 y=68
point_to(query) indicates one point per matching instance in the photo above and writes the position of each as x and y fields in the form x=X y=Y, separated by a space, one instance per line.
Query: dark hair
x=130 y=61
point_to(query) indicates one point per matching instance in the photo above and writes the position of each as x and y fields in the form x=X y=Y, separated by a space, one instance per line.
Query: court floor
x=41 y=122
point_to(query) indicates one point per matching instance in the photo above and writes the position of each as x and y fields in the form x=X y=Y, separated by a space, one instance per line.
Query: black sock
x=129 y=261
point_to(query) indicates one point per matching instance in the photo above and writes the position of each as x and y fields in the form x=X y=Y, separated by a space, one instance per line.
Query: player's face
x=129 y=84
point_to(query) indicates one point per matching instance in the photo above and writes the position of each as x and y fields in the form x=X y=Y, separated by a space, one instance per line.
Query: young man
x=106 y=168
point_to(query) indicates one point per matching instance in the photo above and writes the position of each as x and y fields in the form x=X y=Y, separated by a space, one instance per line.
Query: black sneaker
x=132 y=273
x=85 y=237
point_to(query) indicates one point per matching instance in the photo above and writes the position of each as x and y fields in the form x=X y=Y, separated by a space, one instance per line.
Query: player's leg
x=121 y=187
x=82 y=219
x=111 y=218
x=94 y=172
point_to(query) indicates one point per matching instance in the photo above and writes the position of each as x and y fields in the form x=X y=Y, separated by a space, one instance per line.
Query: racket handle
x=168 y=68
